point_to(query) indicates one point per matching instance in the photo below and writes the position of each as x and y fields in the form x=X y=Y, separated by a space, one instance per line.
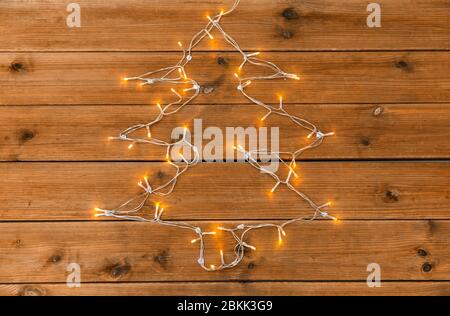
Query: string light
x=177 y=75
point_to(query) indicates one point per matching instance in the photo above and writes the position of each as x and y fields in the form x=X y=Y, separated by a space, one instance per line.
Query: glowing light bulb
x=209 y=34
x=159 y=106
x=193 y=241
x=236 y=75
x=179 y=44
x=130 y=145
x=213 y=267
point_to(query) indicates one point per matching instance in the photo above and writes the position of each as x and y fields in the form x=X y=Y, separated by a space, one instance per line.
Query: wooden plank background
x=384 y=91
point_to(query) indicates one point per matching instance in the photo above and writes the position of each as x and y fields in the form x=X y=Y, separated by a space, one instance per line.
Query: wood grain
x=283 y=25
x=130 y=251
x=71 y=133
x=229 y=289
x=358 y=190
x=384 y=91
x=345 y=77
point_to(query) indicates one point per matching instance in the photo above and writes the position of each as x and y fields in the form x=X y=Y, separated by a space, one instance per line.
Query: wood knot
x=286 y=34
x=427 y=267
x=18 y=243
x=25 y=135
x=119 y=270
x=222 y=61
x=55 y=258
x=365 y=141
x=29 y=290
x=391 y=196
x=422 y=252
x=290 y=14
x=251 y=265
x=401 y=64
x=16 y=66
x=162 y=258
x=378 y=111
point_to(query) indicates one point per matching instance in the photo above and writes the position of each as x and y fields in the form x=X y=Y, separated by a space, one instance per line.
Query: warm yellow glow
x=179 y=44
x=130 y=145
x=296 y=77
x=213 y=233
x=209 y=35
x=173 y=90
x=280 y=240
x=97 y=210
x=193 y=241
x=125 y=79
x=159 y=106
x=236 y=75
x=213 y=267
x=294 y=173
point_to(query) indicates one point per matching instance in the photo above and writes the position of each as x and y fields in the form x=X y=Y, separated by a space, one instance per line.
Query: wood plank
x=358 y=190
x=130 y=251
x=71 y=133
x=346 y=77
x=257 y=24
x=229 y=289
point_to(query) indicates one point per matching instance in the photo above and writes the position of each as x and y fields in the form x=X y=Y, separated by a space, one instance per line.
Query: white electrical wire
x=177 y=75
